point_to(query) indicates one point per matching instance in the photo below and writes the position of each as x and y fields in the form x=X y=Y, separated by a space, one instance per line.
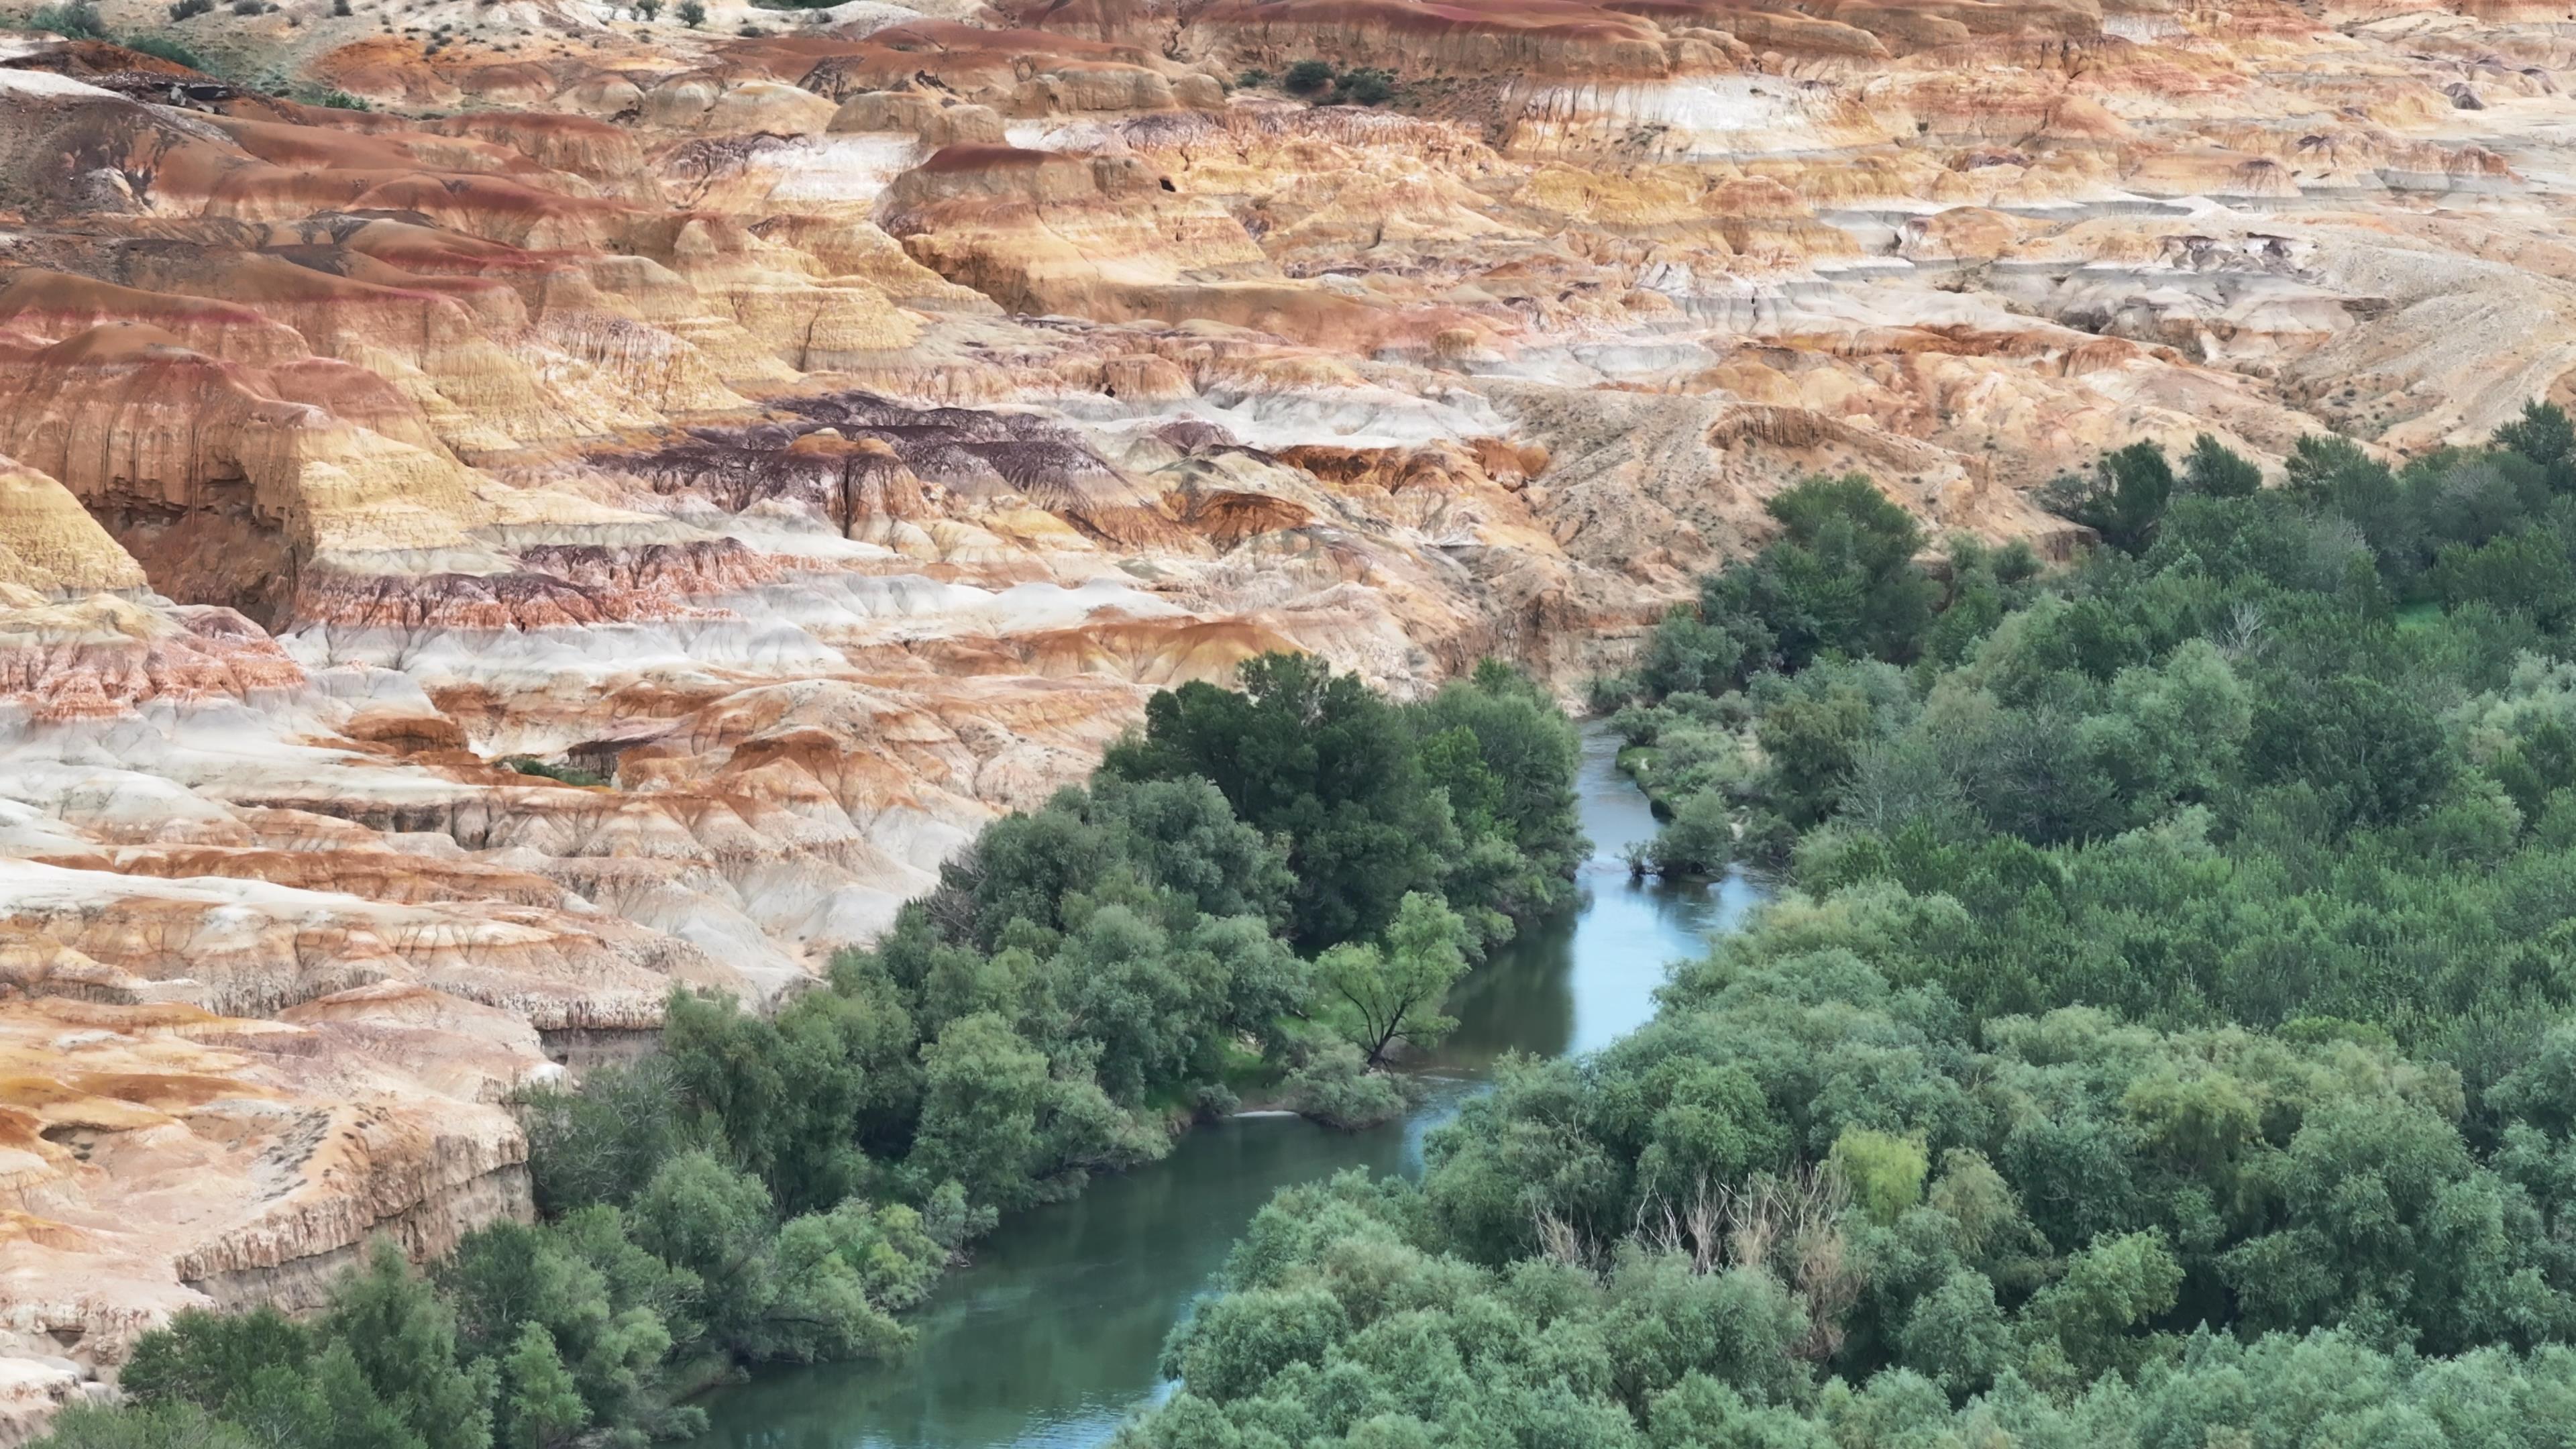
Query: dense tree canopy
x=2162 y=1037
x=1467 y=794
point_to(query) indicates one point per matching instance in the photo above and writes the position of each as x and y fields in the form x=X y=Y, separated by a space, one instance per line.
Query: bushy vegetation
x=587 y=1327
x=522 y=764
x=778 y=1187
x=1358 y=86
x=76 y=20
x=2162 y=1037
x=1467 y=795
x=165 y=48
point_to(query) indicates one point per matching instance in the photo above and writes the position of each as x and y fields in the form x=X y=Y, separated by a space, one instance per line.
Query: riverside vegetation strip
x=2164 y=1040
x=1084 y=977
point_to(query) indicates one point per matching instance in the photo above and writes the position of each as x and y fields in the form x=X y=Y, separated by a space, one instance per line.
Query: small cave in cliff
x=217 y=552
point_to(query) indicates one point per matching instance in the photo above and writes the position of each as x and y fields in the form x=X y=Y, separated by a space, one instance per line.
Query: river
x=1050 y=1338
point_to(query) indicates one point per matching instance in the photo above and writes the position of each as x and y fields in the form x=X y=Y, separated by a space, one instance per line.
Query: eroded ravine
x=1051 y=1337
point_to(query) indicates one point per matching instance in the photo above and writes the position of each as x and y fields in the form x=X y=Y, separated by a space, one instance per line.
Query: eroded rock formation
x=615 y=512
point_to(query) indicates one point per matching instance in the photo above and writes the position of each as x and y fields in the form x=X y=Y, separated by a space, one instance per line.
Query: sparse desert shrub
x=78 y=20
x=563 y=774
x=1253 y=77
x=691 y=13
x=185 y=9
x=1366 y=87
x=165 y=48
x=1308 y=76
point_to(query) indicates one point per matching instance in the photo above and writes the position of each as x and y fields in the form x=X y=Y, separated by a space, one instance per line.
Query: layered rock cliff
x=509 y=508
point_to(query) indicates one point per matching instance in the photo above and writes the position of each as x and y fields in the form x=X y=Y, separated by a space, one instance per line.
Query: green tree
x=1320 y=759
x=402 y=1337
x=794 y=1093
x=2373 y=754
x=505 y=1276
x=2124 y=498
x=318 y=1405
x=2087 y=1321
x=1884 y=1172
x=1811 y=741
x=1382 y=995
x=201 y=1356
x=1184 y=836
x=1699 y=1411
x=1699 y=839
x=719 y=1225
x=541 y=1404
x=602 y=1143
x=1509 y=763
x=1840 y=579
x=983 y=1090
x=1365 y=86
x=2212 y=471
x=1957 y=1336
x=1687 y=654
x=2543 y=434
x=1336 y=1088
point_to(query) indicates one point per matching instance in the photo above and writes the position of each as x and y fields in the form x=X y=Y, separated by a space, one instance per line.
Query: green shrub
x=1308 y=76
x=1365 y=87
x=1699 y=839
x=523 y=764
x=78 y=20
x=1336 y=1088
x=165 y=48
x=1884 y=1172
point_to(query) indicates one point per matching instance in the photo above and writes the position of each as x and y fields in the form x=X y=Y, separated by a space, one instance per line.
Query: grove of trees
x=2162 y=1036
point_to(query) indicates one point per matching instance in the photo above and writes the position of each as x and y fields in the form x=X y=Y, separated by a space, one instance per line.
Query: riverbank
x=1054 y=1333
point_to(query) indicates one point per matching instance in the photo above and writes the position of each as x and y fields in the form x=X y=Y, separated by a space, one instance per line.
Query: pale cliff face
x=832 y=433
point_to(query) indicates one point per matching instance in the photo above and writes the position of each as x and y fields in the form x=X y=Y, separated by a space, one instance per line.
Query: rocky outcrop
x=158 y=1156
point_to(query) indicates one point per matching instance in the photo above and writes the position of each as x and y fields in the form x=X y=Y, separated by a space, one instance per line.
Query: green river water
x=1050 y=1337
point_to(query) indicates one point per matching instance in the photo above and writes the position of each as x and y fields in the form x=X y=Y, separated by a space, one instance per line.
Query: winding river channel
x=1050 y=1338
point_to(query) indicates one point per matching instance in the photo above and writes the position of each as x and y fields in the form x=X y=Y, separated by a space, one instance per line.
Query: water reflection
x=1052 y=1336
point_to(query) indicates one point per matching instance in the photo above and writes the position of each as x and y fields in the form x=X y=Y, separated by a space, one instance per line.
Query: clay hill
x=507 y=507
